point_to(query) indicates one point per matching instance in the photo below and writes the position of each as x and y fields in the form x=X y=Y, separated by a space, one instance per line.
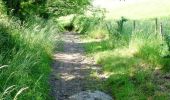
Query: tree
x=24 y=8
x=44 y=8
x=66 y=7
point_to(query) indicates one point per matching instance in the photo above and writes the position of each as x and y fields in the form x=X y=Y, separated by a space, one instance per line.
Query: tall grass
x=27 y=52
x=134 y=60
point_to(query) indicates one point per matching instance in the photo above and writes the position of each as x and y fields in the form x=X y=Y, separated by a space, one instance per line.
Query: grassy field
x=134 y=9
x=136 y=62
x=136 y=67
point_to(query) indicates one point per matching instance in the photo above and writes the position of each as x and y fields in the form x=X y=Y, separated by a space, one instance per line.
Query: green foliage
x=86 y=24
x=30 y=8
x=132 y=59
x=2 y=8
x=92 y=24
x=25 y=8
x=63 y=8
x=44 y=8
x=27 y=45
x=139 y=86
x=93 y=47
x=27 y=52
x=120 y=24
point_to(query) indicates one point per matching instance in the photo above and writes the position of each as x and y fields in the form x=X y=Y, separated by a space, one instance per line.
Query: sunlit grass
x=131 y=59
x=27 y=50
x=135 y=9
x=130 y=71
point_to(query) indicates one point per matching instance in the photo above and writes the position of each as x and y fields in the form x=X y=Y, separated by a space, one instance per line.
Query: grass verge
x=134 y=62
x=26 y=52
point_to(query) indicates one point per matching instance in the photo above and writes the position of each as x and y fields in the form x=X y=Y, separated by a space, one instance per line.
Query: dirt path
x=71 y=69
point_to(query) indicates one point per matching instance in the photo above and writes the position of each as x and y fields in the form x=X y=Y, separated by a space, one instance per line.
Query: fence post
x=161 y=30
x=156 y=25
x=134 y=25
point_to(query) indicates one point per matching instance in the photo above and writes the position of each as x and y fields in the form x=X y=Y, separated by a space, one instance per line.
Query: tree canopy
x=44 y=8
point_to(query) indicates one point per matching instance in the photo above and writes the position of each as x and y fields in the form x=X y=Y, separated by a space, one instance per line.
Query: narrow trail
x=72 y=69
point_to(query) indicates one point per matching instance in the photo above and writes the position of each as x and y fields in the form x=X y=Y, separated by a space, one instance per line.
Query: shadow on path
x=72 y=70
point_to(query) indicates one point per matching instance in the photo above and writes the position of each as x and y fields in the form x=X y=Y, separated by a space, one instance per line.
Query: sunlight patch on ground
x=104 y=75
x=120 y=52
x=67 y=76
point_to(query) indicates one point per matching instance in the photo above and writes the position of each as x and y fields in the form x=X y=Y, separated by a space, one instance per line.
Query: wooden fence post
x=161 y=30
x=134 y=25
x=156 y=25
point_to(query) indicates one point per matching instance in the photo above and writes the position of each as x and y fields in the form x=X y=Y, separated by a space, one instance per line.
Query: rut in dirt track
x=71 y=69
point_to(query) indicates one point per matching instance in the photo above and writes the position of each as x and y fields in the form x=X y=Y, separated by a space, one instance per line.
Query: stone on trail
x=89 y=95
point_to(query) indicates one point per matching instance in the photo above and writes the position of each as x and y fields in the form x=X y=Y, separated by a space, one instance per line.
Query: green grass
x=133 y=60
x=135 y=9
x=27 y=51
